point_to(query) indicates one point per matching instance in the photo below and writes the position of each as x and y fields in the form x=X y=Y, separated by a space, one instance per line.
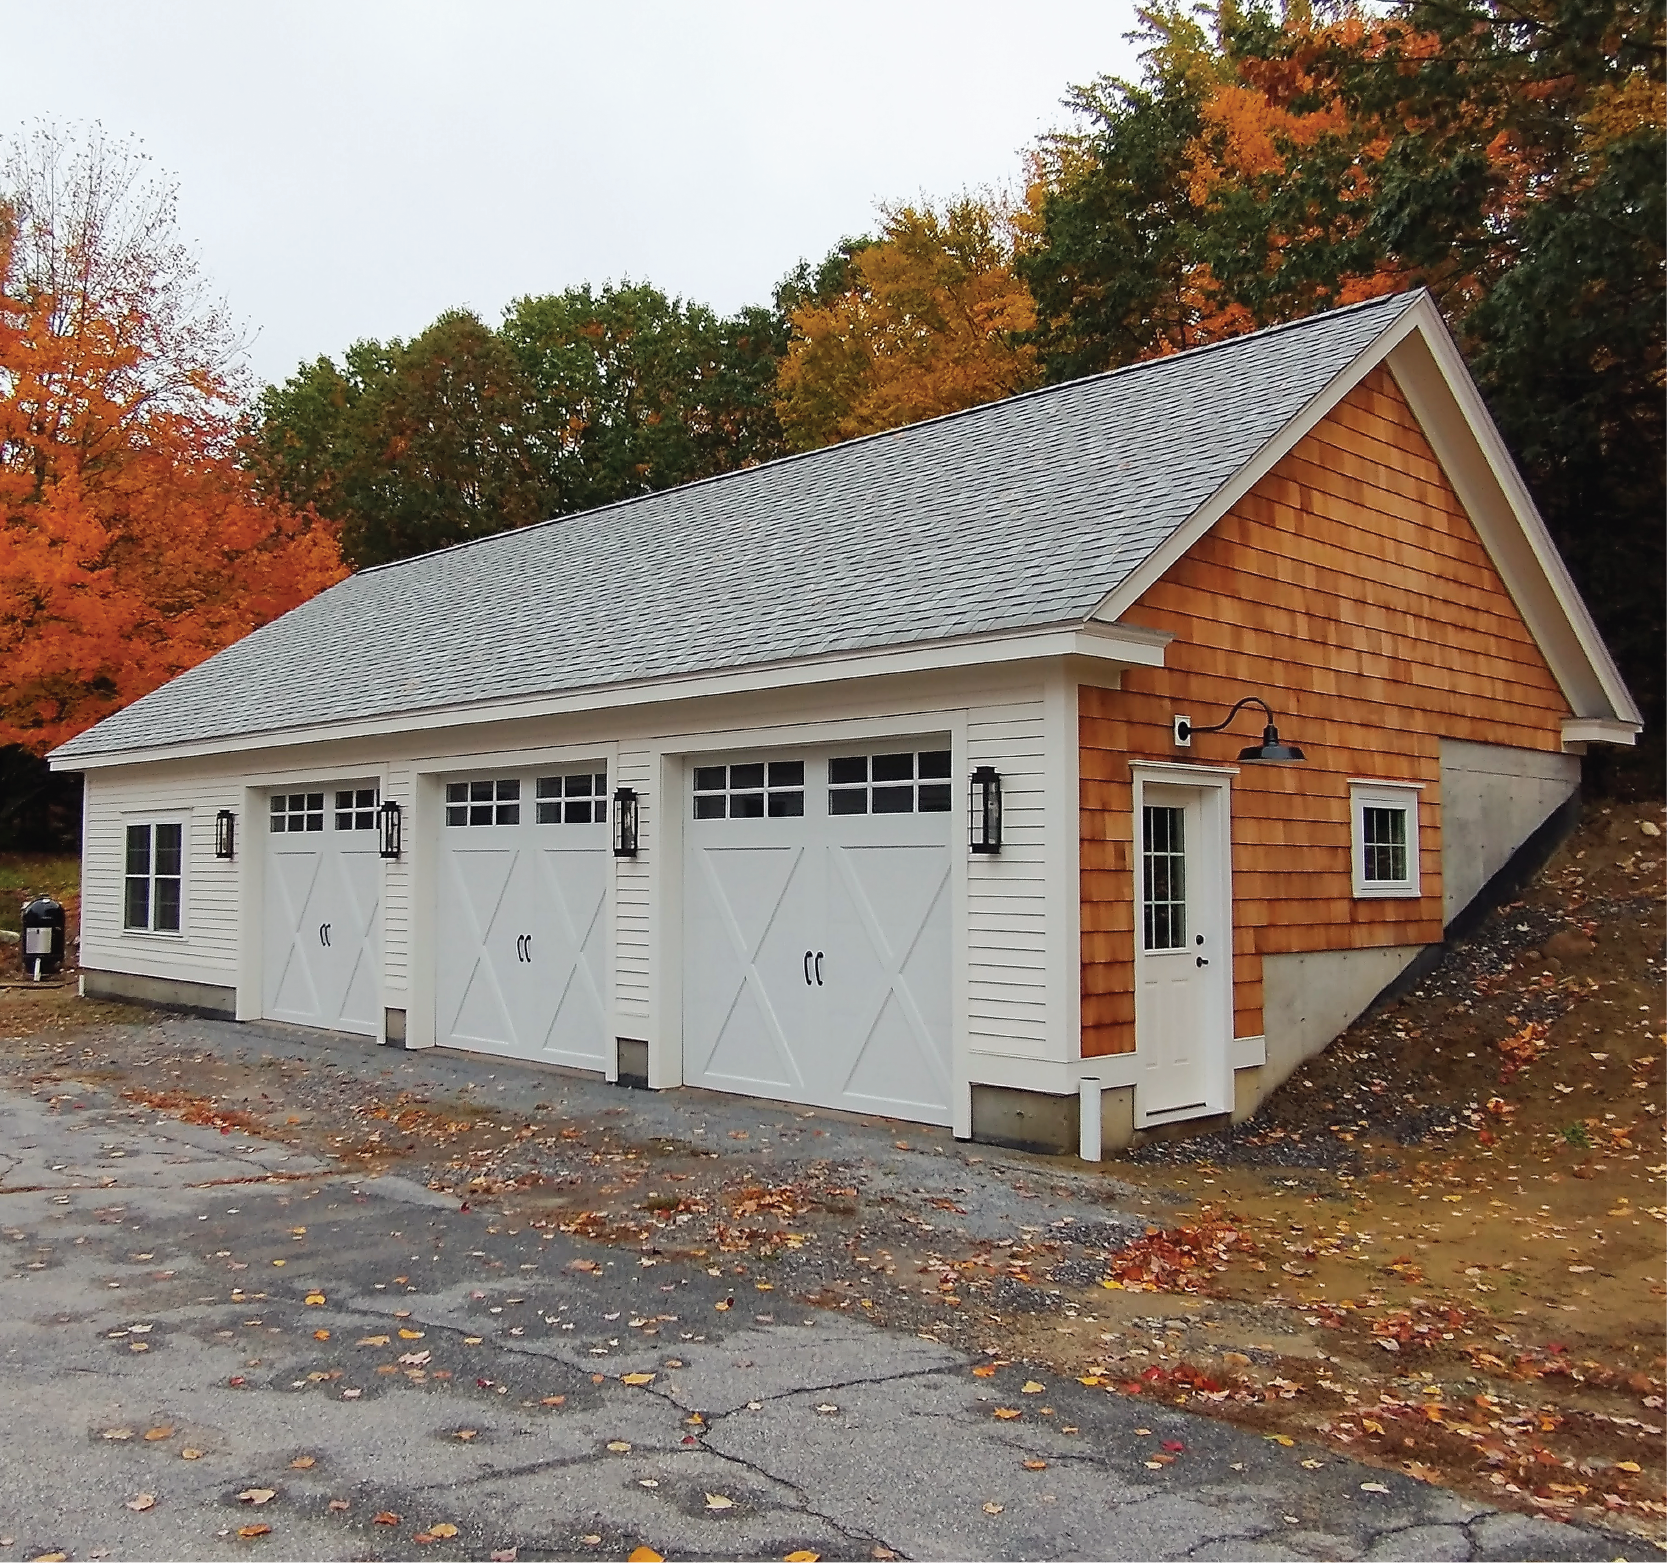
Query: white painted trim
x=1045 y=1075
x=153 y=817
x=1206 y=780
x=1115 y=1070
x=1088 y=1119
x=1248 y=1052
x=1383 y=795
x=1386 y=781
x=1062 y=751
x=1431 y=373
x=1121 y=645
x=960 y=923
x=1578 y=731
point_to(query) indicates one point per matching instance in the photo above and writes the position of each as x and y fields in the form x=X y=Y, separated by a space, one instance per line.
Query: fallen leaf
x=141 y=1501
x=471 y=1340
x=802 y=1557
x=465 y=1434
x=503 y=1555
x=256 y=1495
x=118 y=1432
x=725 y=1305
x=352 y=1394
x=637 y=1378
x=1036 y=1465
x=1373 y=1487
x=619 y=1446
x=1280 y=1439
x=315 y=1299
x=1173 y=1445
x=992 y=1508
x=1628 y=1465
x=445 y=1530
x=374 y=1340
x=554 y=1400
x=643 y=1555
x=302 y=1462
x=827 y=1408
x=339 y=1506
x=249 y=1532
x=1007 y=1413
x=414 y=1359
x=386 y=1517
x=321 y=1335
x=983 y=1372
x=156 y=1434
x=190 y=1454
x=716 y=1500
x=1032 y=1388
x=406 y=1334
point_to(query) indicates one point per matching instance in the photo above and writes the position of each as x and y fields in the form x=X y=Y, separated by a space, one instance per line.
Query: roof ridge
x=1359 y=306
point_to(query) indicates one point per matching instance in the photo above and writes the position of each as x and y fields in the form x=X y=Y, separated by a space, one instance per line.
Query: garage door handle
x=807 y=968
x=524 y=947
x=818 y=968
x=324 y=935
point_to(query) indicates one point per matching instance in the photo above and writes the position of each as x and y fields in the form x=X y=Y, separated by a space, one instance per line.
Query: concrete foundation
x=633 y=1062
x=1024 y=1120
x=193 y=998
x=393 y=1027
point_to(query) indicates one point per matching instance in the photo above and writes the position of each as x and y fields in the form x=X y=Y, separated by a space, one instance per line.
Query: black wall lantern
x=225 y=833
x=1271 y=750
x=986 y=810
x=387 y=830
x=625 y=823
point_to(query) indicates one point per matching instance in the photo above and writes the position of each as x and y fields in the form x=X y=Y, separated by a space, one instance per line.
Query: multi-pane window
x=356 y=809
x=1384 y=821
x=484 y=802
x=1163 y=869
x=905 y=783
x=571 y=800
x=775 y=789
x=293 y=811
x=155 y=873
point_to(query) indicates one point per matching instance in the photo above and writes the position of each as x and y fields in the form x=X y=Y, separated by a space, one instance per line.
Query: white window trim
x=183 y=820
x=1383 y=795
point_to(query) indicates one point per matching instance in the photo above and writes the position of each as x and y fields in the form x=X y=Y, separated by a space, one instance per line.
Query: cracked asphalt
x=188 y=1315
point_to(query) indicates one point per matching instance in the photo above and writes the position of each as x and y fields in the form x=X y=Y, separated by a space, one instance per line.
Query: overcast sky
x=351 y=169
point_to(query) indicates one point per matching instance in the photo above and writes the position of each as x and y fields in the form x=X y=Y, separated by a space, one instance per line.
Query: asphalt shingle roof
x=1018 y=514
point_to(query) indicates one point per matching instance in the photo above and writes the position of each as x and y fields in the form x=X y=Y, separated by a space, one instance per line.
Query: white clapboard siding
x=205 y=950
x=399 y=786
x=632 y=974
x=1007 y=932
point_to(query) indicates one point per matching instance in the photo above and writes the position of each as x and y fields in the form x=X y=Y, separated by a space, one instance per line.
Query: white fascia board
x=1114 y=645
x=1578 y=731
x=1431 y=373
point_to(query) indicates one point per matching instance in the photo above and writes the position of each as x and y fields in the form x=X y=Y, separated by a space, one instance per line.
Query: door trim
x=1214 y=784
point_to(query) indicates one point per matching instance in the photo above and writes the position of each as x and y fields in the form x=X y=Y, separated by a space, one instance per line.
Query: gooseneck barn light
x=1271 y=751
x=985 y=823
x=387 y=829
x=225 y=833
x=625 y=823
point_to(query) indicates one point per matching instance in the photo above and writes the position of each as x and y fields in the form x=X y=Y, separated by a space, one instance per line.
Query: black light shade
x=1271 y=751
x=625 y=822
x=225 y=833
x=387 y=830
x=985 y=832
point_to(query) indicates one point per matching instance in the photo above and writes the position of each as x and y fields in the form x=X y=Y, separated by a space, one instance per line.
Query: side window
x=356 y=810
x=292 y=811
x=773 y=789
x=1163 y=877
x=153 y=888
x=571 y=800
x=1384 y=839
x=484 y=802
x=902 y=783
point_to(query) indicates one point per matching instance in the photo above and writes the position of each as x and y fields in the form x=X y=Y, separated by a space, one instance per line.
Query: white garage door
x=523 y=936
x=323 y=927
x=817 y=930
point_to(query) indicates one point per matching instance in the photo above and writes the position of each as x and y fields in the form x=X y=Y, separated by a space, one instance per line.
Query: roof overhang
x=1111 y=646
x=1427 y=365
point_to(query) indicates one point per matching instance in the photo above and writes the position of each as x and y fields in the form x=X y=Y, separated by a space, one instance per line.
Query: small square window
x=844 y=772
x=1384 y=840
x=894 y=767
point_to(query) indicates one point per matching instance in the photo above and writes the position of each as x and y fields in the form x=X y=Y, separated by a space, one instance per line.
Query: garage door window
x=776 y=790
x=155 y=874
x=571 y=800
x=292 y=811
x=484 y=802
x=356 y=810
x=907 y=783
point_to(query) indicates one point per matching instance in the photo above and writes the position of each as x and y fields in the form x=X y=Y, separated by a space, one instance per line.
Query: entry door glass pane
x=1164 y=877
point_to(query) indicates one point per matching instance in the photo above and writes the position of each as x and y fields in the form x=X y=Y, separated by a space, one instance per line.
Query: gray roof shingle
x=1016 y=514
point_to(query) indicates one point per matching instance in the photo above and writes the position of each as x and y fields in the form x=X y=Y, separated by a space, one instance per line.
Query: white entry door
x=1183 y=955
x=817 y=930
x=523 y=917
x=323 y=914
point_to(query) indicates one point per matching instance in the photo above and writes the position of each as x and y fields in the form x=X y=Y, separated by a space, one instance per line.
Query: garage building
x=883 y=778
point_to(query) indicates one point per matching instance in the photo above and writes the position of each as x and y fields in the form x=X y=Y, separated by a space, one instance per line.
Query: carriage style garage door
x=817 y=929
x=522 y=924
x=323 y=925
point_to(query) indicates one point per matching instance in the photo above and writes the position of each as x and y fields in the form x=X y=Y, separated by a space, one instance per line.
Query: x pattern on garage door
x=522 y=924
x=817 y=930
x=323 y=916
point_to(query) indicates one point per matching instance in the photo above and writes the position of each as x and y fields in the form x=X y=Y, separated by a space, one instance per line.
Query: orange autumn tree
x=926 y=322
x=132 y=544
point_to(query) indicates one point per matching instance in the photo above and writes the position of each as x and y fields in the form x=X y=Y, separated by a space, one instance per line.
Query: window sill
x=1387 y=893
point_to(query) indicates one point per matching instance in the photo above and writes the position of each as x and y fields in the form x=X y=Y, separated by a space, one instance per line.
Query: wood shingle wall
x=1350 y=591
